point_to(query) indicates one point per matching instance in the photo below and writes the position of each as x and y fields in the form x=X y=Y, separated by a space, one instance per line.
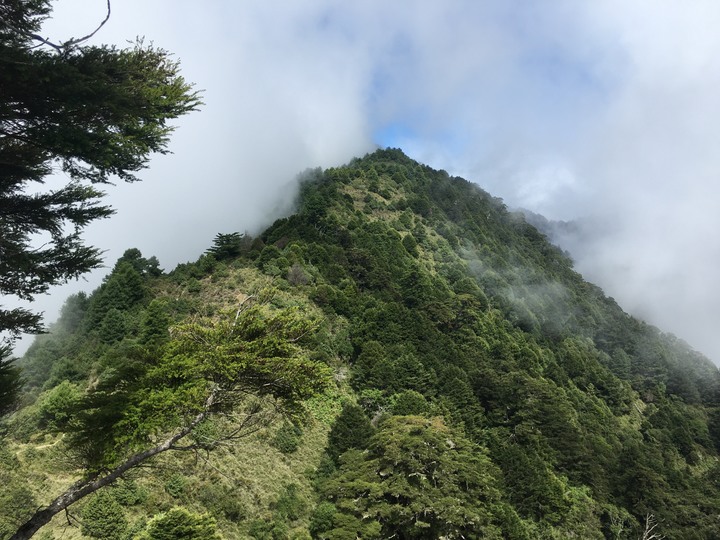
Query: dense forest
x=402 y=357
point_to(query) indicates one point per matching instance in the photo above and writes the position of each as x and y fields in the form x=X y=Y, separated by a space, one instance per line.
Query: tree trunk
x=83 y=488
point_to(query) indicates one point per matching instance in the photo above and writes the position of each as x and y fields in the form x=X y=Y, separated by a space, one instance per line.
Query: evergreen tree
x=408 y=403
x=113 y=327
x=97 y=111
x=103 y=517
x=155 y=324
x=418 y=479
x=10 y=380
x=122 y=290
x=351 y=429
x=228 y=246
x=180 y=524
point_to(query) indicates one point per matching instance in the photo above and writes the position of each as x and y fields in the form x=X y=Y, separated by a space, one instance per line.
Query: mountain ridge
x=437 y=302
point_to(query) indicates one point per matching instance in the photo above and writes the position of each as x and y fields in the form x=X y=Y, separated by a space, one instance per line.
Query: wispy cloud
x=603 y=109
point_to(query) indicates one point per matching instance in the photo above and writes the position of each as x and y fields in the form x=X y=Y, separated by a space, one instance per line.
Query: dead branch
x=650 y=525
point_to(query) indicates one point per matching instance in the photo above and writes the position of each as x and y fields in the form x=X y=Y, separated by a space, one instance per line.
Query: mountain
x=435 y=366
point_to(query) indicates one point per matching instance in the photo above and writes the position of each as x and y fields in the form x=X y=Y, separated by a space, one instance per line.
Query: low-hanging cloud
x=650 y=169
x=607 y=112
x=598 y=110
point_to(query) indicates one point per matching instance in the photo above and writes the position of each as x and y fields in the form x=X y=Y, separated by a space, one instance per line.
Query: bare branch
x=242 y=308
x=44 y=41
x=649 y=533
x=67 y=46
x=72 y=42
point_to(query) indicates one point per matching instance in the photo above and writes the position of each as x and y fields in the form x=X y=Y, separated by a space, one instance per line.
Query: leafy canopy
x=179 y=523
x=418 y=479
x=241 y=364
x=93 y=112
x=211 y=383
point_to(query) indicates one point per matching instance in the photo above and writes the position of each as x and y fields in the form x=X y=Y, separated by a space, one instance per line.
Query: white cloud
x=573 y=108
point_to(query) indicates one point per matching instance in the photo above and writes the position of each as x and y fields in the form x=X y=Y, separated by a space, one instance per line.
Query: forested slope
x=480 y=387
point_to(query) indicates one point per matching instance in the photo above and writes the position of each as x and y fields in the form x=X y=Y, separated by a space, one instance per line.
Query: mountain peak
x=460 y=339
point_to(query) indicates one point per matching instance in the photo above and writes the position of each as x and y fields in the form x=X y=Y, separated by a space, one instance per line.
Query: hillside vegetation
x=402 y=357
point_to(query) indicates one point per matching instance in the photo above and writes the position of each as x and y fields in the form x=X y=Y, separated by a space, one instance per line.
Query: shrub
x=175 y=486
x=56 y=404
x=288 y=438
x=322 y=518
x=296 y=275
x=180 y=524
x=103 y=517
x=352 y=429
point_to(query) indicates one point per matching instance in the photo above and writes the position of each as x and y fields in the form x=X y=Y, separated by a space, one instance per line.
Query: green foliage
x=141 y=265
x=268 y=258
x=193 y=286
x=531 y=485
x=155 y=324
x=269 y=529
x=254 y=352
x=178 y=523
x=287 y=439
x=322 y=519
x=419 y=479
x=17 y=501
x=372 y=400
x=296 y=275
x=24 y=423
x=57 y=404
x=290 y=505
x=229 y=246
x=175 y=485
x=123 y=290
x=113 y=327
x=222 y=500
x=103 y=517
x=409 y=402
x=410 y=244
x=352 y=429
x=128 y=493
x=287 y=509
x=98 y=112
x=10 y=381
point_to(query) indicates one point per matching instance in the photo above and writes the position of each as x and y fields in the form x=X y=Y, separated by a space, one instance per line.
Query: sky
x=602 y=111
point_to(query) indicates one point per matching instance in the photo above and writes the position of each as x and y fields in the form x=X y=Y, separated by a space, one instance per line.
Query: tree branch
x=67 y=46
x=72 y=42
x=649 y=532
x=82 y=488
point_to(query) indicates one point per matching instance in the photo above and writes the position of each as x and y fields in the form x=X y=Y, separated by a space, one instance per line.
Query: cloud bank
x=599 y=110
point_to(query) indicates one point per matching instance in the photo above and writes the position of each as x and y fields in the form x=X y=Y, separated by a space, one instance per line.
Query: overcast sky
x=606 y=109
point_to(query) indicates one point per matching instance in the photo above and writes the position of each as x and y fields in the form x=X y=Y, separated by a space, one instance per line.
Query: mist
x=604 y=112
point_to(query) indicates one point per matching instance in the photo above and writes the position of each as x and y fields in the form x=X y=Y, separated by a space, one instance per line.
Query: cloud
x=604 y=109
x=653 y=170
x=607 y=112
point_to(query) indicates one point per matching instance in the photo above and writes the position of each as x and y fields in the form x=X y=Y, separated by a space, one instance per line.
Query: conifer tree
x=180 y=524
x=98 y=113
x=227 y=246
x=104 y=518
x=418 y=479
x=352 y=429
x=242 y=370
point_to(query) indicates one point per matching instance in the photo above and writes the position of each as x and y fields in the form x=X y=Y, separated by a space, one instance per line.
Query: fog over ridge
x=604 y=111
